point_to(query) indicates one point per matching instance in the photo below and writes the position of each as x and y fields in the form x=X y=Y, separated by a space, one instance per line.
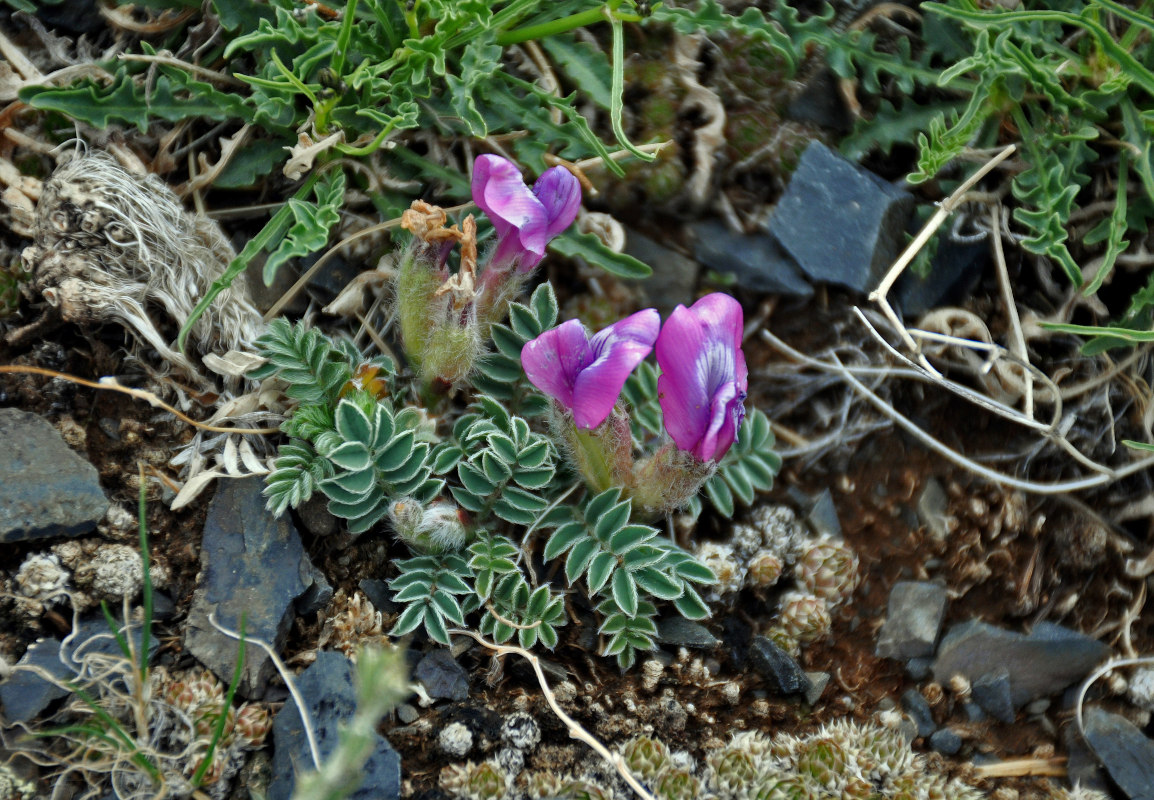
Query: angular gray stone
x=25 y=694
x=682 y=632
x=46 y=488
x=913 y=620
x=817 y=683
x=779 y=668
x=841 y=223
x=755 y=261
x=822 y=516
x=442 y=676
x=1039 y=664
x=1123 y=750
x=328 y=692
x=992 y=692
x=252 y=566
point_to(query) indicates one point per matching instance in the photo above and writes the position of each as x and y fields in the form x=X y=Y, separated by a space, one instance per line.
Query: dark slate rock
x=334 y=275
x=992 y=692
x=778 y=667
x=252 y=565
x=442 y=676
x=920 y=712
x=841 y=223
x=1082 y=766
x=330 y=699
x=919 y=668
x=681 y=632
x=974 y=712
x=954 y=272
x=913 y=620
x=1039 y=664
x=946 y=741
x=674 y=277
x=1123 y=750
x=46 y=489
x=379 y=595
x=317 y=596
x=26 y=694
x=755 y=261
x=822 y=103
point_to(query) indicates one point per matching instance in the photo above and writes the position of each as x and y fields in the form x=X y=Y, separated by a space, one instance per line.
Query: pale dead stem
x=111 y=384
x=575 y=729
x=994 y=355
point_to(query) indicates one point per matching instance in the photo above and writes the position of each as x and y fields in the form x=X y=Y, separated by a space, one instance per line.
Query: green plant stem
x=566 y=24
x=274 y=230
x=222 y=719
x=338 y=60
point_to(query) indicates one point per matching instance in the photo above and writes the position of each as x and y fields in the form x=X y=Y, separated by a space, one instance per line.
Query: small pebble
x=946 y=741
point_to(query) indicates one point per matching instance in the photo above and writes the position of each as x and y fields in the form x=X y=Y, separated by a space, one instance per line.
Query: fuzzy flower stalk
x=584 y=375
x=701 y=391
x=444 y=316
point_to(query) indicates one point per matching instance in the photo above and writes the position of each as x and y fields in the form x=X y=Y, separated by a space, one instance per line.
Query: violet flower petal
x=553 y=359
x=583 y=374
x=703 y=375
x=616 y=351
x=560 y=193
x=501 y=193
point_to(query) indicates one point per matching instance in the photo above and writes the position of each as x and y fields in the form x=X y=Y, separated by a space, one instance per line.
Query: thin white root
x=575 y=729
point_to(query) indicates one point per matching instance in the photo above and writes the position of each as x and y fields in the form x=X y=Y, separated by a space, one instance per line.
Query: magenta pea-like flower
x=585 y=373
x=525 y=219
x=703 y=379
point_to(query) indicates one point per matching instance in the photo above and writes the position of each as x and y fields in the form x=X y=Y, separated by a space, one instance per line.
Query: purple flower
x=525 y=219
x=703 y=375
x=585 y=374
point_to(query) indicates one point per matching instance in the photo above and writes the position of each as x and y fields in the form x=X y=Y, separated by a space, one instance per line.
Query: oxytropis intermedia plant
x=501 y=423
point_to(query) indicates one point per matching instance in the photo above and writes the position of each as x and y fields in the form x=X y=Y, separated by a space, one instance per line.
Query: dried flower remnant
x=112 y=245
x=704 y=378
x=585 y=374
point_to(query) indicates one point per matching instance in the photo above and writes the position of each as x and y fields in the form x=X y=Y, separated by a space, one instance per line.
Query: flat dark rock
x=26 y=693
x=1038 y=664
x=253 y=566
x=841 y=223
x=442 y=676
x=330 y=698
x=755 y=261
x=1124 y=751
x=46 y=488
x=682 y=632
x=779 y=668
